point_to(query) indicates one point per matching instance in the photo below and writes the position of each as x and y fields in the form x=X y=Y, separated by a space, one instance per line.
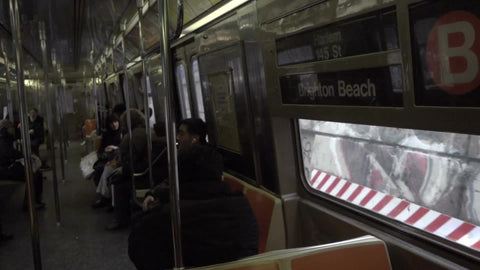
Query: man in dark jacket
x=10 y=168
x=216 y=225
x=35 y=124
x=122 y=183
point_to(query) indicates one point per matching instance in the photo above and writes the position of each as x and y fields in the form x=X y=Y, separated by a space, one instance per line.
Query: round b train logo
x=453 y=52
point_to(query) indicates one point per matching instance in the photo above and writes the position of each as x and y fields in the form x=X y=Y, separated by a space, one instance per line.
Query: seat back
x=90 y=126
x=268 y=211
x=363 y=253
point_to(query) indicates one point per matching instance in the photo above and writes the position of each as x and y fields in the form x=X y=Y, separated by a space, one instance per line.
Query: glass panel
x=183 y=91
x=429 y=180
x=198 y=90
x=153 y=119
x=374 y=32
x=223 y=101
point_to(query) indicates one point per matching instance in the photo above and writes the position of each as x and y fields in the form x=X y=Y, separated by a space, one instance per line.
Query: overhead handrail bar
x=179 y=27
x=51 y=134
x=22 y=95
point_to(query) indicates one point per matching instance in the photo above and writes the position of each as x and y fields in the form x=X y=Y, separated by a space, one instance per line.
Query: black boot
x=100 y=203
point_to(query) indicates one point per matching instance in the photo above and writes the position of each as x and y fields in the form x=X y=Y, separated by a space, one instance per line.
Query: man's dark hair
x=119 y=109
x=137 y=117
x=112 y=118
x=196 y=126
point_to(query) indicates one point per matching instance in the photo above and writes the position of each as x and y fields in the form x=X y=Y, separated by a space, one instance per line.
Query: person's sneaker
x=5 y=237
x=40 y=206
x=109 y=209
x=115 y=225
x=99 y=203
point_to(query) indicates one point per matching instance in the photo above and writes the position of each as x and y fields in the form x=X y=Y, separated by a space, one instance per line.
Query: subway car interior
x=341 y=134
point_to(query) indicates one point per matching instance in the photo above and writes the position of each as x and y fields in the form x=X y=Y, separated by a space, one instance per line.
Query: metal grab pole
x=51 y=134
x=59 y=123
x=95 y=96
x=86 y=92
x=7 y=84
x=171 y=141
x=146 y=107
x=64 y=127
x=126 y=94
x=17 y=44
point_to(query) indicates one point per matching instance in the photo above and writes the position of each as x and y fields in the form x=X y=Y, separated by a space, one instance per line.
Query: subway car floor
x=81 y=242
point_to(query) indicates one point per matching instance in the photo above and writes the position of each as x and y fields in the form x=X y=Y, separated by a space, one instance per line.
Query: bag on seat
x=87 y=163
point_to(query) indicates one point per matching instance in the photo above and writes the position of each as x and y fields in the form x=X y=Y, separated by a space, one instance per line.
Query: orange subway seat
x=90 y=126
x=262 y=207
x=234 y=184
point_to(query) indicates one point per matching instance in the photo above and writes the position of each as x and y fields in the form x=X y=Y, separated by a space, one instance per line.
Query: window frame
x=195 y=97
x=185 y=112
x=384 y=222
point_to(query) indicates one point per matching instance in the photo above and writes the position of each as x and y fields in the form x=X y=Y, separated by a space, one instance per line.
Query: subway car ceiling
x=75 y=29
x=83 y=37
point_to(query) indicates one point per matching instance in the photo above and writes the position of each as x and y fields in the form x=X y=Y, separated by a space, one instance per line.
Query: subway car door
x=225 y=92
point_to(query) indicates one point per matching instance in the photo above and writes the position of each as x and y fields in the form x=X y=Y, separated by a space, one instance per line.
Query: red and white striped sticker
x=447 y=227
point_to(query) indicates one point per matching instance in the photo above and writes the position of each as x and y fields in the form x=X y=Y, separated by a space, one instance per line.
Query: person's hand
x=149 y=199
x=110 y=148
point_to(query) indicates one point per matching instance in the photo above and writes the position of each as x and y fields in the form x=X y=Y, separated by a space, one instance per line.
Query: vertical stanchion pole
x=171 y=141
x=146 y=106
x=64 y=110
x=86 y=92
x=94 y=88
x=51 y=133
x=59 y=112
x=126 y=93
x=17 y=44
x=7 y=83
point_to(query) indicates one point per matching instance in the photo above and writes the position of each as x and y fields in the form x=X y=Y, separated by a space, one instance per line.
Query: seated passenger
x=122 y=183
x=10 y=166
x=37 y=136
x=108 y=154
x=217 y=225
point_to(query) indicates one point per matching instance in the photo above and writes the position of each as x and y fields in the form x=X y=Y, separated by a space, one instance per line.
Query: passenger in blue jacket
x=216 y=225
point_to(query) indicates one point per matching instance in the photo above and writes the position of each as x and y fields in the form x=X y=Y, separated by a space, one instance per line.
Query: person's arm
x=38 y=128
x=160 y=193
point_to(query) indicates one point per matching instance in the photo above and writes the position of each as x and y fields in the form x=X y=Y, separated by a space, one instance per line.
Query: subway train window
x=183 y=91
x=198 y=89
x=428 y=180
